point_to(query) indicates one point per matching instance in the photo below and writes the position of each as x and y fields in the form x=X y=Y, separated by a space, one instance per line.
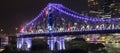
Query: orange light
x=30 y=28
x=47 y=12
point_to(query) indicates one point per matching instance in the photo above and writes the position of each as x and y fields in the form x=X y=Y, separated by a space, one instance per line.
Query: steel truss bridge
x=67 y=22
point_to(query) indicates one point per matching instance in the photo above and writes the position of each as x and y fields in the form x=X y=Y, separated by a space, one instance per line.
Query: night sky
x=15 y=13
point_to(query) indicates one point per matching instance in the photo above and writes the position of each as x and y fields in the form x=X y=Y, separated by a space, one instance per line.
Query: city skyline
x=53 y=26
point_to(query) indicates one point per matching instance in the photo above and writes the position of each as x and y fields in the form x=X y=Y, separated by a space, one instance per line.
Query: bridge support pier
x=56 y=43
x=24 y=44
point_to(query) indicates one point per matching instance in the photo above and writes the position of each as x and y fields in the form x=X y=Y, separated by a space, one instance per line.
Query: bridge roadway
x=67 y=33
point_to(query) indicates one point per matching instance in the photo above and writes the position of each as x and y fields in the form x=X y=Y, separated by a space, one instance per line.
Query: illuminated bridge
x=57 y=20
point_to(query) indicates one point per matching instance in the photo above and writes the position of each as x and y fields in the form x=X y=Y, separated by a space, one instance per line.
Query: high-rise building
x=112 y=7
x=115 y=9
x=95 y=7
x=3 y=40
x=104 y=8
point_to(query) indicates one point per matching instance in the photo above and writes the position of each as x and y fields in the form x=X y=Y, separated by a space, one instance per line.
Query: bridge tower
x=54 y=42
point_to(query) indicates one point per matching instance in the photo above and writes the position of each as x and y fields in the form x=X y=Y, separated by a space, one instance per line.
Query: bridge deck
x=67 y=33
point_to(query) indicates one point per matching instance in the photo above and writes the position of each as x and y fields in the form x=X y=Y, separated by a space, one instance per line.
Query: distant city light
x=1 y=30
x=16 y=28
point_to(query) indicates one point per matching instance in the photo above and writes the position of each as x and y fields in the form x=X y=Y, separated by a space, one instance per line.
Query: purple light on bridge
x=97 y=19
x=59 y=6
x=22 y=41
x=76 y=16
x=61 y=42
x=58 y=40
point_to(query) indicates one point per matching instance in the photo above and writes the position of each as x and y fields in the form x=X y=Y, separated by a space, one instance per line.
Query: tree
x=10 y=48
x=78 y=44
x=92 y=47
x=100 y=45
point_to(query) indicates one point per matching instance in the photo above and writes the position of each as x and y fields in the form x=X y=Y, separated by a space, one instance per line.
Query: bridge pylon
x=55 y=43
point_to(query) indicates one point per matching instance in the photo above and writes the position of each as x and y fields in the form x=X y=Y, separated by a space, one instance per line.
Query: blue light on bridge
x=24 y=43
